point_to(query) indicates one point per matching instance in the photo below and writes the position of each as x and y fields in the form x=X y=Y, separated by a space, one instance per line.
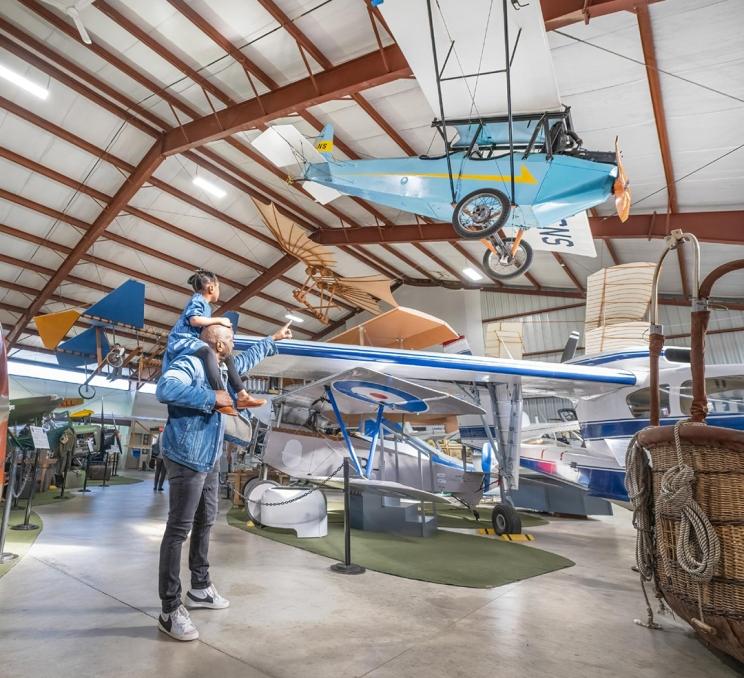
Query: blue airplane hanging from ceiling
x=515 y=171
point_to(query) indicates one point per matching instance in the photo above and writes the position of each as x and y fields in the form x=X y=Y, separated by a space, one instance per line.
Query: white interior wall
x=460 y=308
x=549 y=331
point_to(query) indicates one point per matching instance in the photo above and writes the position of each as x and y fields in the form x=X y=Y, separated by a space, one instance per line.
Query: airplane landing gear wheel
x=481 y=213
x=506 y=520
x=507 y=266
x=86 y=391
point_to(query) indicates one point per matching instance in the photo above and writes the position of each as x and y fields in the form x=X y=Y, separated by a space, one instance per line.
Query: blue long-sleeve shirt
x=194 y=432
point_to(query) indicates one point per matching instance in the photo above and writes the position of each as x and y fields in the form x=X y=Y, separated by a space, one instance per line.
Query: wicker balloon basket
x=715 y=609
x=686 y=486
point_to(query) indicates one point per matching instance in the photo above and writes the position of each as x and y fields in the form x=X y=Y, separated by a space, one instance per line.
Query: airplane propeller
x=621 y=187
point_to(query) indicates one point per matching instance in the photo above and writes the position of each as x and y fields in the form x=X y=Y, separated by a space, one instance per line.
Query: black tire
x=524 y=256
x=506 y=520
x=86 y=391
x=490 y=224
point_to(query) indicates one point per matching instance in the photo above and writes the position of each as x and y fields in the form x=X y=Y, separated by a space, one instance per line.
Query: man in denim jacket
x=191 y=445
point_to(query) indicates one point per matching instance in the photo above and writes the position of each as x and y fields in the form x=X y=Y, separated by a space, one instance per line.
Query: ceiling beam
x=258 y=283
x=139 y=247
x=567 y=270
x=715 y=227
x=264 y=192
x=539 y=311
x=386 y=127
x=96 y=152
x=352 y=76
x=657 y=103
x=149 y=41
x=439 y=261
x=98 y=48
x=84 y=91
x=198 y=20
x=147 y=165
x=261 y=191
x=288 y=25
x=559 y=13
x=612 y=251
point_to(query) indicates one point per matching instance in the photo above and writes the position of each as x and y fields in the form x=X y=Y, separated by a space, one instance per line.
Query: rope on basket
x=638 y=483
x=698 y=547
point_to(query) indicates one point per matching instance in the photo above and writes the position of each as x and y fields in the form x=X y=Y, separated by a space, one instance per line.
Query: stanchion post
x=105 y=466
x=6 y=557
x=87 y=471
x=347 y=567
x=64 y=470
x=26 y=524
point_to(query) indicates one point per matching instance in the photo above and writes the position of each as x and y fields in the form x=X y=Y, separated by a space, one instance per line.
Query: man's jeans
x=193 y=500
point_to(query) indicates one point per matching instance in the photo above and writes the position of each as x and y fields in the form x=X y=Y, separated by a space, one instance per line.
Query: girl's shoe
x=248 y=401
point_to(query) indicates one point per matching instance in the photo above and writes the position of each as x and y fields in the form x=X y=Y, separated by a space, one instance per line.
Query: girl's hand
x=225 y=322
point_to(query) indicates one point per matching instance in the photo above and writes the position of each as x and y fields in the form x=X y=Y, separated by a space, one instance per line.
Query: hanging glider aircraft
x=514 y=161
x=361 y=291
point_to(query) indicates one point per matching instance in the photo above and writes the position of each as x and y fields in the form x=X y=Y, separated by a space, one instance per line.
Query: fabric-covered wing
x=361 y=391
x=369 y=285
x=316 y=360
x=293 y=239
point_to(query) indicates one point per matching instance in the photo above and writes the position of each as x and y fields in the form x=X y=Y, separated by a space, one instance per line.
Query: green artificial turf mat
x=459 y=518
x=116 y=480
x=463 y=518
x=19 y=541
x=445 y=558
x=51 y=496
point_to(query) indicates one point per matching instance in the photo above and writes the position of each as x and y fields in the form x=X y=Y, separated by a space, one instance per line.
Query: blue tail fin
x=324 y=143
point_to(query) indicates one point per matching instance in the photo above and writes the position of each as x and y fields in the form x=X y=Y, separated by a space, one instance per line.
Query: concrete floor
x=83 y=602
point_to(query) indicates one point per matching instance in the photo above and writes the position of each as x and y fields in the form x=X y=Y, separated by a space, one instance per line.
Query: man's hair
x=211 y=334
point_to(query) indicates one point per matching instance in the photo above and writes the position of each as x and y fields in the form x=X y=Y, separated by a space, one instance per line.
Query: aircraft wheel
x=506 y=520
x=253 y=496
x=508 y=267
x=86 y=391
x=481 y=213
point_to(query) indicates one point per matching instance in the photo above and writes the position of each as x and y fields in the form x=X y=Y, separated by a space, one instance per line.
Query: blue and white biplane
x=381 y=384
x=518 y=171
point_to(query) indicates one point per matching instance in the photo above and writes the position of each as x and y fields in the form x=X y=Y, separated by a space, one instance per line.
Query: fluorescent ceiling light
x=472 y=274
x=293 y=318
x=209 y=187
x=23 y=83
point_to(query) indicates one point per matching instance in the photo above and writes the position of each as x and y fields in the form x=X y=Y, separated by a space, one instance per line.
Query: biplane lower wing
x=362 y=391
x=388 y=488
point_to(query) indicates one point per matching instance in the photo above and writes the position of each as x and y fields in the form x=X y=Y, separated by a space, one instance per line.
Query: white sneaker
x=178 y=624
x=207 y=597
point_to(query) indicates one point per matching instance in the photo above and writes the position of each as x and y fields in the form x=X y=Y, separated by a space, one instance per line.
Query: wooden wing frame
x=293 y=239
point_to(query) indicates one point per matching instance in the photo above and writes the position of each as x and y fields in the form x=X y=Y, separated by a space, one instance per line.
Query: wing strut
x=344 y=432
x=372 y=446
x=508 y=58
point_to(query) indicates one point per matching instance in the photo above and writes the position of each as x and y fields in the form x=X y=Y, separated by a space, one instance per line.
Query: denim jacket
x=194 y=432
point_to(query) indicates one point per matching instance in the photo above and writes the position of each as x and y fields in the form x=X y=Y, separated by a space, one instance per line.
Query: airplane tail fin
x=569 y=351
x=324 y=143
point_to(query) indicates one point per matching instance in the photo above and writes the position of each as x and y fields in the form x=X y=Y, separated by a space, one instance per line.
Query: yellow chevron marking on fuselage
x=524 y=176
